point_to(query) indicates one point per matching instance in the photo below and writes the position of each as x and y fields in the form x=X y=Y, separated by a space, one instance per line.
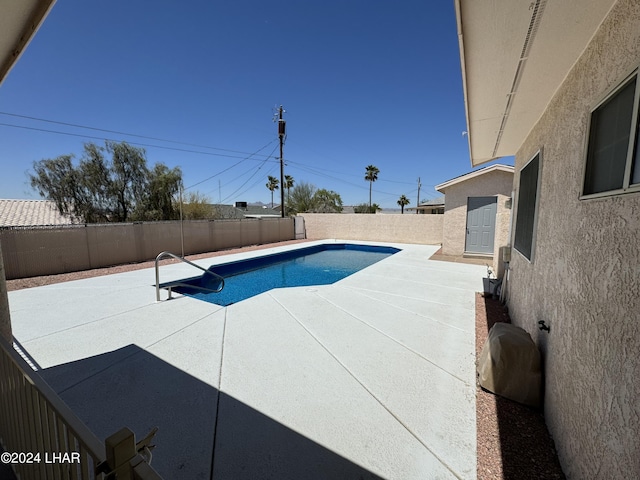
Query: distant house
x=430 y=207
x=247 y=210
x=477 y=211
x=29 y=213
x=557 y=84
x=348 y=209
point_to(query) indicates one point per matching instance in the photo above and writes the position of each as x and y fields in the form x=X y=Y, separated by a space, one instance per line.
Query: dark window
x=526 y=213
x=635 y=175
x=608 y=153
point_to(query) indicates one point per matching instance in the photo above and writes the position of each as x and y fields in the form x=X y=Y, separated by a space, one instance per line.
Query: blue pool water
x=317 y=265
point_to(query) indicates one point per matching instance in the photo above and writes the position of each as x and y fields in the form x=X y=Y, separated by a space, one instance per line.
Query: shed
x=477 y=212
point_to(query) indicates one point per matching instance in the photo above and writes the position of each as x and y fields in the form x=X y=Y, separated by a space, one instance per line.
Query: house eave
x=19 y=22
x=514 y=58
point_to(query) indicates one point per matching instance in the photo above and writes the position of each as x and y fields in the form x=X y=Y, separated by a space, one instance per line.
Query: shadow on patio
x=203 y=433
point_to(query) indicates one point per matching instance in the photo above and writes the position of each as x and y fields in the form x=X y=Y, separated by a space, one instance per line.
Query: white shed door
x=481 y=224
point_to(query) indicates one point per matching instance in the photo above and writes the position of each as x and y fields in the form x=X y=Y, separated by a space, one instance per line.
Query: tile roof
x=21 y=213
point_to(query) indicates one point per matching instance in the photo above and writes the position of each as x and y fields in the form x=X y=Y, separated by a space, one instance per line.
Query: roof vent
x=536 y=16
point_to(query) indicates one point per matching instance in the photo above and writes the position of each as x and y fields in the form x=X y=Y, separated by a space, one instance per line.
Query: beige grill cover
x=509 y=365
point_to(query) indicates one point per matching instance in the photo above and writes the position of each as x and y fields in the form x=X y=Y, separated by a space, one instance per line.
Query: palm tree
x=272 y=185
x=371 y=176
x=288 y=183
x=402 y=201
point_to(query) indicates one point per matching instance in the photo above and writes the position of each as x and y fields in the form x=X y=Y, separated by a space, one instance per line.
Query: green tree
x=159 y=201
x=57 y=180
x=99 y=190
x=371 y=175
x=364 y=208
x=301 y=198
x=197 y=206
x=128 y=179
x=403 y=201
x=272 y=185
x=93 y=194
x=326 y=201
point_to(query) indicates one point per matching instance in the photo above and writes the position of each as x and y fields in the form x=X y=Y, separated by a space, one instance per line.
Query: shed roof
x=476 y=173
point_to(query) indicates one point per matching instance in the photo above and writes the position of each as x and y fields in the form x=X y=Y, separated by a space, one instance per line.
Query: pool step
x=187 y=288
x=205 y=283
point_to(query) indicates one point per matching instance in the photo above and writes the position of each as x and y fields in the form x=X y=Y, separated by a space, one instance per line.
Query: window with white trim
x=526 y=213
x=613 y=152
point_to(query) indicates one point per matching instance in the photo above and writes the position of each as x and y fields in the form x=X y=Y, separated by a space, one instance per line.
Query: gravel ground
x=513 y=441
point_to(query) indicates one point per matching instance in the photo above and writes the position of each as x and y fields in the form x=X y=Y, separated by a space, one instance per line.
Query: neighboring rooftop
x=434 y=202
x=435 y=205
x=26 y=213
x=243 y=210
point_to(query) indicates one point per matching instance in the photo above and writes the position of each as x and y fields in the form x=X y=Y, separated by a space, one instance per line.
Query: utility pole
x=281 y=133
x=181 y=224
x=418 y=202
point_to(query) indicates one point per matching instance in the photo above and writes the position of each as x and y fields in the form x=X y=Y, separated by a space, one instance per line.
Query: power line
x=111 y=131
x=268 y=172
x=87 y=127
x=250 y=177
x=250 y=155
x=236 y=164
x=351 y=174
x=235 y=192
x=184 y=150
x=322 y=174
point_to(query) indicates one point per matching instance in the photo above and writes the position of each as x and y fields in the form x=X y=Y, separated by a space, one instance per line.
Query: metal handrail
x=169 y=254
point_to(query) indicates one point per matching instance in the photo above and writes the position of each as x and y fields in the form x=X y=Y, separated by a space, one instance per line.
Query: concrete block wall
x=29 y=252
x=407 y=228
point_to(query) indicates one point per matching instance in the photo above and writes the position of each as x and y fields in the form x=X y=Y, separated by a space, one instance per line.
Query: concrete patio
x=371 y=377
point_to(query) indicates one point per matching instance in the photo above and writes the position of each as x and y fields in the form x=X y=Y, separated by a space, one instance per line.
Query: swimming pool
x=317 y=265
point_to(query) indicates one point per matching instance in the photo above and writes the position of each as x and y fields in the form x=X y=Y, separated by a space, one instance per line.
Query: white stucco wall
x=584 y=281
x=407 y=228
x=492 y=184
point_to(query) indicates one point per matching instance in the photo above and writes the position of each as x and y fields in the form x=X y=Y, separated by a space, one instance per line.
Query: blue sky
x=362 y=82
